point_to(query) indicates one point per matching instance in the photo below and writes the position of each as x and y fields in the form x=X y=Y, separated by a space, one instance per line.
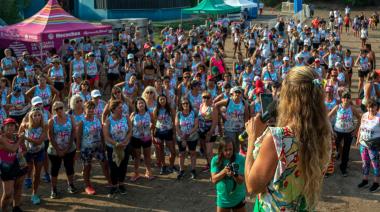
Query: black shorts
x=137 y=143
x=191 y=145
x=46 y=145
x=238 y=206
x=202 y=135
x=280 y=51
x=315 y=45
x=10 y=77
x=112 y=76
x=337 y=43
x=166 y=135
x=12 y=172
x=363 y=73
x=59 y=85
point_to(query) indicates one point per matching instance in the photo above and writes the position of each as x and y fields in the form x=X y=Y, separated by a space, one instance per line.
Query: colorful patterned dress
x=284 y=191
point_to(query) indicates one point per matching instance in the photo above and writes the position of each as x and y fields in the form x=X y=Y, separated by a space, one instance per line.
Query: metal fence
x=140 y=4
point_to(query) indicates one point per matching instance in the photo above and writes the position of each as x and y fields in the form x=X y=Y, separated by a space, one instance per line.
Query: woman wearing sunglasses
x=91 y=144
x=85 y=91
x=116 y=94
x=57 y=74
x=117 y=132
x=61 y=133
x=35 y=135
x=344 y=128
x=186 y=124
x=208 y=119
x=142 y=137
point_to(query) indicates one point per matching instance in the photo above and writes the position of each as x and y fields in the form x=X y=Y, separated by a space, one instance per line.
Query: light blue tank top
x=164 y=120
x=62 y=134
x=92 y=68
x=234 y=117
x=118 y=129
x=186 y=122
x=91 y=134
x=247 y=79
x=33 y=133
x=58 y=73
x=141 y=126
x=78 y=66
x=45 y=94
x=344 y=120
x=17 y=100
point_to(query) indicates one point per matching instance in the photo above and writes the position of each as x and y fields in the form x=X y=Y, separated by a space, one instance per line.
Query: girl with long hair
x=35 y=135
x=163 y=122
x=293 y=156
x=142 y=137
x=229 y=184
x=186 y=125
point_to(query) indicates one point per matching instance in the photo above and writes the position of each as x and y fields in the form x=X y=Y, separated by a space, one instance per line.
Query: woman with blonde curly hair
x=293 y=156
x=150 y=97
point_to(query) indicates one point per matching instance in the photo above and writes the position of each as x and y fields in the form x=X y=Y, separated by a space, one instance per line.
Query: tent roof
x=211 y=7
x=51 y=22
x=240 y=3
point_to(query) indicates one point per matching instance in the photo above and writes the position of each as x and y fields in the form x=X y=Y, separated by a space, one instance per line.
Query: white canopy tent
x=241 y=3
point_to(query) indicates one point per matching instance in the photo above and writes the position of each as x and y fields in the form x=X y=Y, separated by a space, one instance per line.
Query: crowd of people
x=115 y=101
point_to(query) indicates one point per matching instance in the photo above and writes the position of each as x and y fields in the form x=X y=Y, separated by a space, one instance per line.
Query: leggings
x=369 y=156
x=68 y=162
x=118 y=172
x=347 y=139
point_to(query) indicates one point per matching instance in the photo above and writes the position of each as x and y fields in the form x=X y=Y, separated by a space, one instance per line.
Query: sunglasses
x=206 y=97
x=85 y=84
x=79 y=101
x=149 y=92
x=237 y=92
x=334 y=75
x=58 y=108
x=185 y=103
x=186 y=77
x=117 y=92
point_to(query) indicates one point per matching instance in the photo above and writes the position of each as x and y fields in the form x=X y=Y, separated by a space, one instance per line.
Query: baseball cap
x=76 y=75
x=91 y=54
x=9 y=121
x=130 y=56
x=153 y=48
x=256 y=78
x=158 y=47
x=338 y=64
x=317 y=60
x=235 y=89
x=286 y=58
x=378 y=71
x=95 y=93
x=36 y=100
x=55 y=60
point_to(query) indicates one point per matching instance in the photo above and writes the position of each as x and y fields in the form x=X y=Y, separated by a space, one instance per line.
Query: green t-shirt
x=225 y=195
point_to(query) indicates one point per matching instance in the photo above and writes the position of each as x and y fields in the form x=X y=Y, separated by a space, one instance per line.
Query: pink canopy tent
x=47 y=29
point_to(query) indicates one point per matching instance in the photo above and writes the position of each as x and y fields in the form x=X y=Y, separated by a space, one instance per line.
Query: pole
x=181 y=17
x=41 y=51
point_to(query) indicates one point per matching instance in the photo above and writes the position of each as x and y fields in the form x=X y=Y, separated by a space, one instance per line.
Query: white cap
x=337 y=64
x=36 y=100
x=130 y=56
x=264 y=39
x=256 y=78
x=95 y=93
x=286 y=58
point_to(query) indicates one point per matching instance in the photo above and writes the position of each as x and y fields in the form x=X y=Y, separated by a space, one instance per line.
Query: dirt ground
x=166 y=194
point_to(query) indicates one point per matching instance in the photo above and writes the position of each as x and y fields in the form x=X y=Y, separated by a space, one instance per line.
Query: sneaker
x=90 y=190
x=16 y=209
x=35 y=199
x=374 y=187
x=180 y=174
x=344 y=173
x=112 y=192
x=71 y=189
x=53 y=194
x=28 y=183
x=46 y=178
x=122 y=189
x=193 y=174
x=363 y=184
x=163 y=170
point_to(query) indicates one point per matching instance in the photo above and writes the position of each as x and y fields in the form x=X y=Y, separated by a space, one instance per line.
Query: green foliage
x=271 y=3
x=10 y=10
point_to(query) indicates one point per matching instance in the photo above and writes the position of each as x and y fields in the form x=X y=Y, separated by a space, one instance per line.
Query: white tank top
x=369 y=128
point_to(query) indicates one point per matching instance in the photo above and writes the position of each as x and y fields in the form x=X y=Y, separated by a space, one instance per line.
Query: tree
x=11 y=11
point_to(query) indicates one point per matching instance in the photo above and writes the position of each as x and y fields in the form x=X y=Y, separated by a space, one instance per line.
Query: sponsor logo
x=50 y=36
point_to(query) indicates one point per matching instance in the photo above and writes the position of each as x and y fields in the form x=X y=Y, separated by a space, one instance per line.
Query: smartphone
x=265 y=100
